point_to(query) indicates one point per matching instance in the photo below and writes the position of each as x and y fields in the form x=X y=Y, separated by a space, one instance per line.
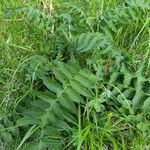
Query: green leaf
x=146 y=106
x=32 y=146
x=74 y=96
x=6 y=137
x=83 y=80
x=27 y=120
x=52 y=85
x=57 y=110
x=91 y=77
x=137 y=100
x=114 y=77
x=80 y=89
x=66 y=103
x=45 y=96
x=60 y=76
x=64 y=70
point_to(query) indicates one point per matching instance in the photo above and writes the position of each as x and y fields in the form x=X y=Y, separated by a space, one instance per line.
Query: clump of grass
x=74 y=74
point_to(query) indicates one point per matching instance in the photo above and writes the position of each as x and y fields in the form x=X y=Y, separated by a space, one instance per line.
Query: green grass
x=74 y=75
